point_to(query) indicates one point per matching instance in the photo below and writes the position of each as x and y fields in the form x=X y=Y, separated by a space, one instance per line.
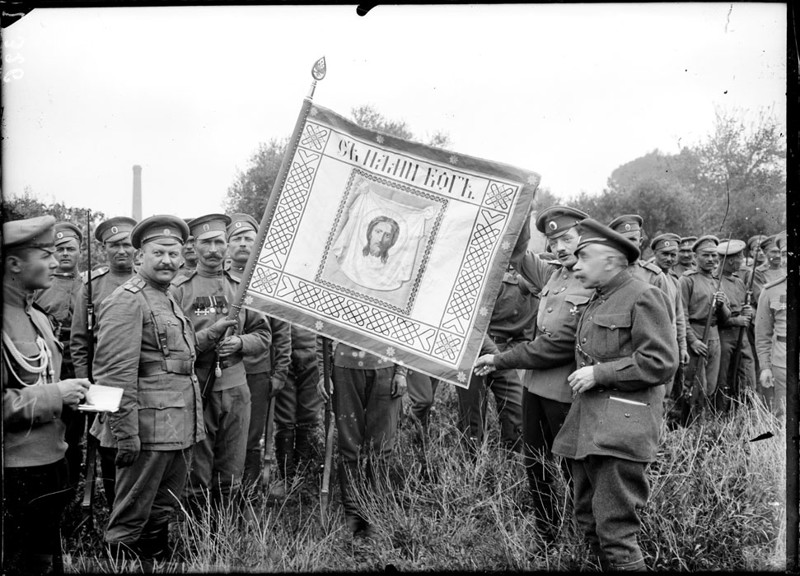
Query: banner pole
x=317 y=73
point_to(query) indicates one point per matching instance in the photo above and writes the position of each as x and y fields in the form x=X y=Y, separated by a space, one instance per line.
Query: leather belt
x=781 y=339
x=223 y=363
x=504 y=338
x=703 y=322
x=166 y=367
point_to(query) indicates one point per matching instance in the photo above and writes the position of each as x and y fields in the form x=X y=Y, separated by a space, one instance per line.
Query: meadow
x=717 y=503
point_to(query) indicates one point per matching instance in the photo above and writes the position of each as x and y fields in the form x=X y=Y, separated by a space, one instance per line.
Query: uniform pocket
x=610 y=336
x=624 y=427
x=161 y=416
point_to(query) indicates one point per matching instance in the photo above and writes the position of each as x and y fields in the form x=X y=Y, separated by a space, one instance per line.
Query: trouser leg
x=108 y=470
x=507 y=389
x=231 y=442
x=75 y=422
x=472 y=412
x=349 y=403
x=258 y=385
x=584 y=514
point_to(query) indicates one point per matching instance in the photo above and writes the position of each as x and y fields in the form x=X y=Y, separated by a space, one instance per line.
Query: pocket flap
x=613 y=321
x=159 y=399
x=576 y=299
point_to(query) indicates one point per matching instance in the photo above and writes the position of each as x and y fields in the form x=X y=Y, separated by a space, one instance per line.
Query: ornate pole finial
x=317 y=73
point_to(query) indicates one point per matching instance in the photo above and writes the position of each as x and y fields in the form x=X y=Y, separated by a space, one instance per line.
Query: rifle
x=737 y=352
x=697 y=362
x=329 y=424
x=87 y=504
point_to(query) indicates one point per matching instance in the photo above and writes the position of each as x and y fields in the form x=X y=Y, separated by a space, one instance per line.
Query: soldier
x=267 y=373
x=189 y=254
x=771 y=270
x=550 y=357
x=367 y=396
x=297 y=410
x=685 y=256
x=626 y=352
x=146 y=346
x=754 y=251
x=665 y=251
x=770 y=329
x=115 y=236
x=205 y=296
x=34 y=398
x=740 y=318
x=57 y=301
x=699 y=293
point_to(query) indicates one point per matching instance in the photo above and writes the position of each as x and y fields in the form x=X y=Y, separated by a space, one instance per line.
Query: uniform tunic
x=58 y=302
x=146 y=346
x=612 y=429
x=770 y=328
x=736 y=292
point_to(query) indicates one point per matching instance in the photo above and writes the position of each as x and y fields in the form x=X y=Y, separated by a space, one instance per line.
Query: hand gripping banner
x=391 y=246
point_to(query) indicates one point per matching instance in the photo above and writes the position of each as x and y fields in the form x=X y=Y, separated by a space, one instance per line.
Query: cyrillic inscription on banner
x=391 y=246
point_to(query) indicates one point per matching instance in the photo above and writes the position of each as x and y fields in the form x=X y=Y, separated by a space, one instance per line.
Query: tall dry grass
x=716 y=504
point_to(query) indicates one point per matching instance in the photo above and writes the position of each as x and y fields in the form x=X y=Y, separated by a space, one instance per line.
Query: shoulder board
x=134 y=284
x=183 y=278
x=775 y=282
x=232 y=277
x=651 y=267
x=102 y=271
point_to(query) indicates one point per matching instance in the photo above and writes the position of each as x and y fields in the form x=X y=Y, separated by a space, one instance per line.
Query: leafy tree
x=27 y=206
x=251 y=189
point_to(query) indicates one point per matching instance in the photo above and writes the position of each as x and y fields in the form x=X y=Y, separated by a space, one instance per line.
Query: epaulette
x=134 y=284
x=231 y=276
x=96 y=273
x=774 y=282
x=651 y=267
x=183 y=278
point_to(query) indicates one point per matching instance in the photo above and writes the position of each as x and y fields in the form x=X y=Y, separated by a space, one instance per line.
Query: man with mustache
x=115 y=236
x=34 y=398
x=206 y=295
x=146 y=346
x=267 y=373
x=382 y=234
x=685 y=256
x=189 y=254
x=58 y=303
x=550 y=357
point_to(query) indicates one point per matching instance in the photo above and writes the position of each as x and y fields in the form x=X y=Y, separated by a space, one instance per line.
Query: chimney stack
x=137 y=192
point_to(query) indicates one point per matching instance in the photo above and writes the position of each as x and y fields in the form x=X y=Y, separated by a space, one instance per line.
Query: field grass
x=717 y=503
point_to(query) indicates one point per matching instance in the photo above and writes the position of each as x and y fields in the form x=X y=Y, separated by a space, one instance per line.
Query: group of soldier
x=589 y=348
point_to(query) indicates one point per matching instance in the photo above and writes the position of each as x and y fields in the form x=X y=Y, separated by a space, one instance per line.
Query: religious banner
x=388 y=245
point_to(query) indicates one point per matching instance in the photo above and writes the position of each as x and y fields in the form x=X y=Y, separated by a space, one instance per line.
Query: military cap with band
x=556 y=220
x=114 y=229
x=66 y=231
x=209 y=226
x=159 y=227
x=593 y=232
x=189 y=224
x=730 y=247
x=755 y=241
x=241 y=223
x=767 y=242
x=687 y=241
x=666 y=240
x=705 y=240
x=29 y=233
x=780 y=240
x=626 y=223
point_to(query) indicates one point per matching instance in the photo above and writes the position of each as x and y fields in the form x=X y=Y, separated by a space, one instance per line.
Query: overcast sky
x=569 y=91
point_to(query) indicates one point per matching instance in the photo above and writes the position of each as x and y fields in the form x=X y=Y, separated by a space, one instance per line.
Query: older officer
x=146 y=346
x=115 y=236
x=267 y=373
x=740 y=318
x=699 y=293
x=550 y=357
x=685 y=256
x=626 y=352
x=205 y=296
x=770 y=329
x=34 y=398
x=58 y=302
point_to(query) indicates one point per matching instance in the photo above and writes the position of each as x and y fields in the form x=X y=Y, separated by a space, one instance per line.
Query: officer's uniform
x=58 y=302
x=735 y=290
x=146 y=346
x=367 y=408
x=697 y=294
x=34 y=468
x=205 y=297
x=266 y=372
x=612 y=429
x=548 y=359
x=298 y=406
x=104 y=282
x=770 y=328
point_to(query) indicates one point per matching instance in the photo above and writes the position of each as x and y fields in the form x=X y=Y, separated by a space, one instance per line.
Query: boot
x=304 y=446
x=348 y=476
x=284 y=456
